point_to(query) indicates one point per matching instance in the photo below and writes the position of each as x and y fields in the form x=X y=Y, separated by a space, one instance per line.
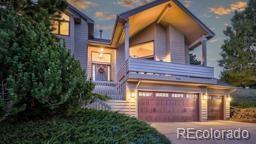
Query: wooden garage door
x=215 y=108
x=167 y=107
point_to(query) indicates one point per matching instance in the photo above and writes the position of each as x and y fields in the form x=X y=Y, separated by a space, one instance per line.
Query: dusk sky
x=216 y=14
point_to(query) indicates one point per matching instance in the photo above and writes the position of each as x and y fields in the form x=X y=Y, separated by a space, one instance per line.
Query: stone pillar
x=203 y=103
x=204 y=51
x=127 y=41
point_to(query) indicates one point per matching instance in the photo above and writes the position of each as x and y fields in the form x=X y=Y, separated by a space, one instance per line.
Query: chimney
x=101 y=32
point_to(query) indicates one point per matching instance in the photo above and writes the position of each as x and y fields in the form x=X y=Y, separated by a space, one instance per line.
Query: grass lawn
x=89 y=126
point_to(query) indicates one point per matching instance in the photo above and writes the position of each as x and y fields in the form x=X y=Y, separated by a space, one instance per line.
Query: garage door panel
x=215 y=108
x=170 y=108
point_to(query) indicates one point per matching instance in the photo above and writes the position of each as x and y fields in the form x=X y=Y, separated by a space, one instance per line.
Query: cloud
x=187 y=3
x=132 y=3
x=238 y=6
x=220 y=11
x=82 y=4
x=105 y=27
x=104 y=16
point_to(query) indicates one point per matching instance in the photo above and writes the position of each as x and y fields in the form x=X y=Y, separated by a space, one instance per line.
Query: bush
x=89 y=126
x=244 y=98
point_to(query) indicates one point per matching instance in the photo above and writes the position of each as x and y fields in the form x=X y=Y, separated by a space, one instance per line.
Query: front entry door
x=101 y=72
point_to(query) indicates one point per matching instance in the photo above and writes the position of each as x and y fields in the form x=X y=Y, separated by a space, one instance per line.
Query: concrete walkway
x=170 y=130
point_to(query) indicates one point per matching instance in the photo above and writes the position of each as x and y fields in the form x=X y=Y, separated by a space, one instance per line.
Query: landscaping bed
x=89 y=126
x=244 y=114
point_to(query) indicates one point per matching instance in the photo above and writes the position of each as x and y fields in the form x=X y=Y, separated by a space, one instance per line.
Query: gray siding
x=81 y=43
x=70 y=40
x=160 y=43
x=176 y=45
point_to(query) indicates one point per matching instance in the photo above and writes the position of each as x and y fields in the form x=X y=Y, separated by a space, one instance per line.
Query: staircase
x=115 y=91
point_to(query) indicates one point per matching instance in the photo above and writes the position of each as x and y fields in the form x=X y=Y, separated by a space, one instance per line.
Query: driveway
x=170 y=130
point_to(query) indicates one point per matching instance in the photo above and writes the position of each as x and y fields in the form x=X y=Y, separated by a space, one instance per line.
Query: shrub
x=244 y=98
x=41 y=75
x=89 y=126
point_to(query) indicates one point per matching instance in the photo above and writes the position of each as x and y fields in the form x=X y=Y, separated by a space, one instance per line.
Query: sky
x=216 y=14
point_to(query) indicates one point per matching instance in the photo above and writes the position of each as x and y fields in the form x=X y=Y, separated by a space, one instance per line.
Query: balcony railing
x=149 y=67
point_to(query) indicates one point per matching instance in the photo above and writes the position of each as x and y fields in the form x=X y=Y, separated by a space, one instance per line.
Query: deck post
x=204 y=51
x=127 y=40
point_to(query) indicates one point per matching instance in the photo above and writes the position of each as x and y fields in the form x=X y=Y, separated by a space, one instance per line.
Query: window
x=101 y=57
x=145 y=50
x=162 y=94
x=61 y=25
x=145 y=94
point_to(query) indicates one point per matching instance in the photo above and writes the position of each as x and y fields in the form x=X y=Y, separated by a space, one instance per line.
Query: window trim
x=142 y=43
x=59 y=24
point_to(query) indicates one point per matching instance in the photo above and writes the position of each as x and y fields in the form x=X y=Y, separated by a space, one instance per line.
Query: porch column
x=204 y=51
x=127 y=40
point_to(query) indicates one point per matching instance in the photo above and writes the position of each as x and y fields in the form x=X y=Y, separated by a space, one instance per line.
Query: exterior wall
x=176 y=43
x=226 y=108
x=203 y=107
x=81 y=43
x=169 y=43
x=113 y=60
x=120 y=57
x=161 y=53
x=70 y=40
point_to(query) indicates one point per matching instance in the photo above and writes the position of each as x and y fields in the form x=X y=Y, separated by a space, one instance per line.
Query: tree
x=41 y=75
x=239 y=49
x=194 y=60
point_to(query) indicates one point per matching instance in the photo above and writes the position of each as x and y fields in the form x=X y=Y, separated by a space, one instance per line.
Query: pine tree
x=42 y=77
x=239 y=49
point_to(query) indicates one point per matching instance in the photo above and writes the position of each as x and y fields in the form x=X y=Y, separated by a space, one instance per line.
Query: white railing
x=113 y=90
x=144 y=66
x=98 y=105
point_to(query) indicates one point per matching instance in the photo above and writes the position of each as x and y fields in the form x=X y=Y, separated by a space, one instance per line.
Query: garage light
x=229 y=99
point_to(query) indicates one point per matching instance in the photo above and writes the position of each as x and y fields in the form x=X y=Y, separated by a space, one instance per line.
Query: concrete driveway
x=170 y=130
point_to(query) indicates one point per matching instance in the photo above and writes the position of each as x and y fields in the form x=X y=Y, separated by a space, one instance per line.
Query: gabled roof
x=78 y=12
x=177 y=15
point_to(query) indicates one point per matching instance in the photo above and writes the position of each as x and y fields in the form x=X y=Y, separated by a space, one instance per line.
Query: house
x=145 y=66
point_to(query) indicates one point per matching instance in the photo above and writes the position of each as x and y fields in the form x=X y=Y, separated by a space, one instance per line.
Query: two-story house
x=145 y=66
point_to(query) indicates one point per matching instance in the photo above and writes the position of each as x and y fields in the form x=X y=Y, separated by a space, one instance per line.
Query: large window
x=61 y=25
x=145 y=50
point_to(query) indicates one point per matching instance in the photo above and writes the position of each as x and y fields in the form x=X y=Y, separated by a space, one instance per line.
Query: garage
x=215 y=108
x=167 y=106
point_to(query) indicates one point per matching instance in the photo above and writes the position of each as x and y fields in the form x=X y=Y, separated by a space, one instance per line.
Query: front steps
x=122 y=106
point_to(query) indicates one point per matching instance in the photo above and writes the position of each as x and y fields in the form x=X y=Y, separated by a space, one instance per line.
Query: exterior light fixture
x=229 y=99
x=205 y=97
x=133 y=95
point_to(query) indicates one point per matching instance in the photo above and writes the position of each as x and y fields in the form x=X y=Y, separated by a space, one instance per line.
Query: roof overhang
x=166 y=12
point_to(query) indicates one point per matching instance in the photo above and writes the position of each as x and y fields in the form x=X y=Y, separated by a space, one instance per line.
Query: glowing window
x=162 y=94
x=145 y=94
x=145 y=50
x=61 y=25
x=101 y=57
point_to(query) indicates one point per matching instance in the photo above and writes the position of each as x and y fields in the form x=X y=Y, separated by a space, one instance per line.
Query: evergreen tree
x=239 y=49
x=42 y=77
x=194 y=60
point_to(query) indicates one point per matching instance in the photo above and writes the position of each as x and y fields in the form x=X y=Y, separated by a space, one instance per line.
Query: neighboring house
x=145 y=66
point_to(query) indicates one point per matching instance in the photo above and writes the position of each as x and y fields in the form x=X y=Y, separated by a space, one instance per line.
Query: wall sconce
x=205 y=97
x=229 y=99
x=133 y=94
